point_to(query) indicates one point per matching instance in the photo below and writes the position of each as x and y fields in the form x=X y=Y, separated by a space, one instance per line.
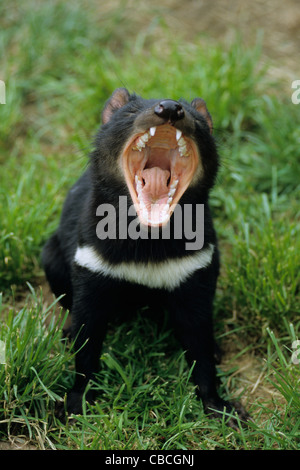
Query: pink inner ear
x=118 y=99
x=200 y=105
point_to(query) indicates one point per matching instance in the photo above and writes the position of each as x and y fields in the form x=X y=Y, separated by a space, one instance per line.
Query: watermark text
x=123 y=223
x=2 y=92
x=2 y=352
x=296 y=354
x=296 y=94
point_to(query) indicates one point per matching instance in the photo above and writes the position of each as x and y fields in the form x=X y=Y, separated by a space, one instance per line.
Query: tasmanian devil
x=125 y=234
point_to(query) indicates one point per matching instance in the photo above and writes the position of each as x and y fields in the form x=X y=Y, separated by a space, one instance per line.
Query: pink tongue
x=156 y=182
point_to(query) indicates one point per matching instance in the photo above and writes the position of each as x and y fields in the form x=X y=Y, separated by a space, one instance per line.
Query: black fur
x=93 y=298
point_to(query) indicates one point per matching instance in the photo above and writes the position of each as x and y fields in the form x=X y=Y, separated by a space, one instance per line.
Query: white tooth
x=174 y=184
x=138 y=184
x=172 y=192
x=178 y=134
x=169 y=201
x=182 y=147
x=141 y=144
x=152 y=131
x=181 y=142
x=145 y=137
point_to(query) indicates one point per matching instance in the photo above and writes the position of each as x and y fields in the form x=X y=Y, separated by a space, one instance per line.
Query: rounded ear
x=118 y=99
x=200 y=105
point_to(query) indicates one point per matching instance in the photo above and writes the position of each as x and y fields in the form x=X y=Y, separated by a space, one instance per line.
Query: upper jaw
x=159 y=165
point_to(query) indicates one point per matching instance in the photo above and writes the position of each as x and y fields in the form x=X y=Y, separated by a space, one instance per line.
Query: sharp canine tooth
x=178 y=134
x=152 y=131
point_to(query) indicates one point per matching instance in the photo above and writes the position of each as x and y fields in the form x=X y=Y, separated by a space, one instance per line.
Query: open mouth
x=159 y=165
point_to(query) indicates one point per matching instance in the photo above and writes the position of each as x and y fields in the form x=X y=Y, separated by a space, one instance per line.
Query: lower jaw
x=154 y=210
x=155 y=216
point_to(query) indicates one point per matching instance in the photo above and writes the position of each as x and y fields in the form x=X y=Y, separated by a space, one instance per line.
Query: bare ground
x=220 y=20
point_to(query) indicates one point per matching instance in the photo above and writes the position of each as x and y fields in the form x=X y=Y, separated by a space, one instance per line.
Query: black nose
x=169 y=110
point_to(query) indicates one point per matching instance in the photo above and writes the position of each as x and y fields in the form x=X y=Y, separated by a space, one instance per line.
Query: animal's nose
x=169 y=110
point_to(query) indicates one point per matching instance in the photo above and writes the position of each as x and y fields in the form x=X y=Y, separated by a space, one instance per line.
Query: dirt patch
x=278 y=22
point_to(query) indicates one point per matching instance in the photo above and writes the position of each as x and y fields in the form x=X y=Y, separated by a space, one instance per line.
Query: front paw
x=73 y=404
x=216 y=408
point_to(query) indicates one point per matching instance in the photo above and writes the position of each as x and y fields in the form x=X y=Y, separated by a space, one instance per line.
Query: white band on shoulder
x=164 y=274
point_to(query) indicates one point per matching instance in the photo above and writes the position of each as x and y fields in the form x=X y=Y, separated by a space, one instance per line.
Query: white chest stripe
x=165 y=274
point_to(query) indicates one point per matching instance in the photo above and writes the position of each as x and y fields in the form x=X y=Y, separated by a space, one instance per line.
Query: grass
x=60 y=63
x=146 y=399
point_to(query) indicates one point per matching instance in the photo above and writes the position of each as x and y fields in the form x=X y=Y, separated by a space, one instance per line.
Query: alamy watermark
x=188 y=224
x=296 y=94
x=2 y=352
x=2 y=92
x=296 y=354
